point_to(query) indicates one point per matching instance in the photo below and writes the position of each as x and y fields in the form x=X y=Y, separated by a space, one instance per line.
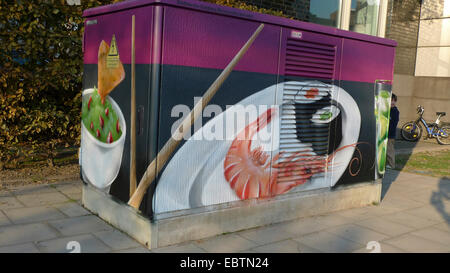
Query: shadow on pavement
x=439 y=197
x=404 y=150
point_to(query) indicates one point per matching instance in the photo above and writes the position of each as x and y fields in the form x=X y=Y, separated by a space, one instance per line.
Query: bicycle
x=412 y=130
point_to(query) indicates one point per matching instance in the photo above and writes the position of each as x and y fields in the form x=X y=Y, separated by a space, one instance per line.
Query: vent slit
x=304 y=137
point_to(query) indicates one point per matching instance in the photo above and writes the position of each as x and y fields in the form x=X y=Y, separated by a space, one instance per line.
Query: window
x=364 y=16
x=325 y=12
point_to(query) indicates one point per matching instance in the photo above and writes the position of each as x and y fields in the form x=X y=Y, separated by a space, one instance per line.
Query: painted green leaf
x=325 y=116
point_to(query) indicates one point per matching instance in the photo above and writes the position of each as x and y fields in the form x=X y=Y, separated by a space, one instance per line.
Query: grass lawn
x=429 y=163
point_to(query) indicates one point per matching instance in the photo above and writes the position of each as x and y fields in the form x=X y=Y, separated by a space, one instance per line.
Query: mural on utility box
x=288 y=118
x=242 y=167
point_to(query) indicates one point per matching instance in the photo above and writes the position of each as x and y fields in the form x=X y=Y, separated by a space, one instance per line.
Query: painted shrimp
x=251 y=173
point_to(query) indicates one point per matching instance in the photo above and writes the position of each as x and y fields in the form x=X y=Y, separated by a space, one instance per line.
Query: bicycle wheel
x=444 y=135
x=411 y=131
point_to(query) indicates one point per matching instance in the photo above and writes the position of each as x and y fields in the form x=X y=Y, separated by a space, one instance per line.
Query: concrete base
x=181 y=228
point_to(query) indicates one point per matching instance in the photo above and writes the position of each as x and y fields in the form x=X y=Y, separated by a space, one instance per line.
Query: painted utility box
x=304 y=109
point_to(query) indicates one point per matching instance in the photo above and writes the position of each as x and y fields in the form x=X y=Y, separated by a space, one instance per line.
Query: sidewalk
x=414 y=216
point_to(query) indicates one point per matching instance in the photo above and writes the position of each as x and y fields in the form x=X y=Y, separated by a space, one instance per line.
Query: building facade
x=422 y=65
x=363 y=16
x=421 y=28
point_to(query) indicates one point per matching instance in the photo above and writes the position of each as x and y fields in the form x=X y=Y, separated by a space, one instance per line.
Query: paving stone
x=443 y=226
x=408 y=187
x=9 y=203
x=88 y=244
x=267 y=234
x=183 y=248
x=74 y=196
x=72 y=209
x=386 y=208
x=69 y=187
x=328 y=242
x=333 y=219
x=424 y=197
x=380 y=210
x=32 y=189
x=397 y=190
x=384 y=226
x=22 y=248
x=400 y=203
x=80 y=225
x=436 y=187
x=411 y=179
x=434 y=234
x=303 y=226
x=17 y=234
x=357 y=214
x=414 y=243
x=32 y=215
x=42 y=199
x=226 y=243
x=306 y=249
x=286 y=246
x=431 y=181
x=439 y=198
x=424 y=180
x=295 y=228
x=384 y=248
x=434 y=213
x=4 y=220
x=357 y=233
x=116 y=239
x=248 y=251
x=133 y=250
x=397 y=176
x=409 y=220
x=415 y=210
x=408 y=184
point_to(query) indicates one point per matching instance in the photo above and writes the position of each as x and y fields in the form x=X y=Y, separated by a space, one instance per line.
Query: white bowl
x=100 y=162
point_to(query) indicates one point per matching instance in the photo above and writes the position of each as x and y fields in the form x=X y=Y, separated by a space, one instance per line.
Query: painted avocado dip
x=98 y=116
x=100 y=119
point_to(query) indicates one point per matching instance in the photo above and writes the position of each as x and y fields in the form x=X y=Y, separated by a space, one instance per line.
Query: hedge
x=41 y=74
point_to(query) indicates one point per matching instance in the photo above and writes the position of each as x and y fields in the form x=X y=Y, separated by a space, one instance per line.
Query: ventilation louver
x=304 y=134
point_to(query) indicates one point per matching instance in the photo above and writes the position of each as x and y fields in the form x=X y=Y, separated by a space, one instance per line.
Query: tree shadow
x=440 y=196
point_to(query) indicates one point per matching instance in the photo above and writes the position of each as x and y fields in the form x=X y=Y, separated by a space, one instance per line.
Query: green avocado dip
x=100 y=119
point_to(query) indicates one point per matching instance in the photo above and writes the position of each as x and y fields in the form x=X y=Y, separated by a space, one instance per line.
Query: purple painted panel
x=119 y=24
x=309 y=54
x=210 y=40
x=206 y=40
x=366 y=62
x=232 y=12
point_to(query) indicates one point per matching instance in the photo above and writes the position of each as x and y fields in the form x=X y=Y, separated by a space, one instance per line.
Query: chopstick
x=161 y=158
x=133 y=113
